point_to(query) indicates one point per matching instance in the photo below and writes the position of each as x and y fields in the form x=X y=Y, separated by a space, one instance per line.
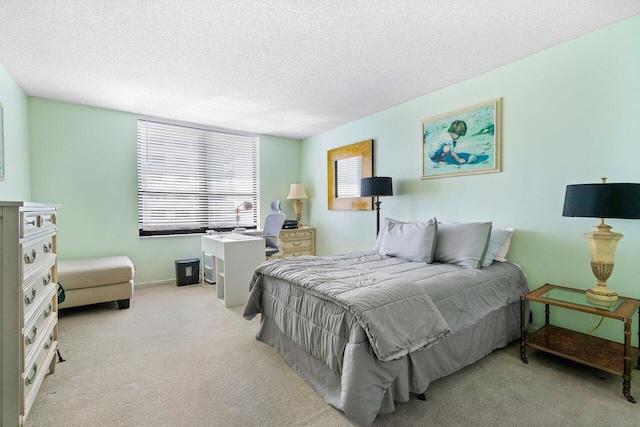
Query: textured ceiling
x=287 y=68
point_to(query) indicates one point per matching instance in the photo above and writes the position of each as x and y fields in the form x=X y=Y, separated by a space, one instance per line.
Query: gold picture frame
x=358 y=156
x=463 y=142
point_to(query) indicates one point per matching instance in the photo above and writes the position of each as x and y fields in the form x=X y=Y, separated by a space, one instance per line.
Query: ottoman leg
x=123 y=303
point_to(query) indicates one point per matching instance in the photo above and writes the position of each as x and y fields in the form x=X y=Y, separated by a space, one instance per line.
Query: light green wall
x=279 y=168
x=84 y=158
x=570 y=115
x=16 y=184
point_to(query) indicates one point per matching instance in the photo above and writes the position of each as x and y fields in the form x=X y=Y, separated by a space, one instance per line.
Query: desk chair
x=271 y=230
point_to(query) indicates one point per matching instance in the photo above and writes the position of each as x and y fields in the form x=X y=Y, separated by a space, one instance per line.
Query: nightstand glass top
x=580 y=298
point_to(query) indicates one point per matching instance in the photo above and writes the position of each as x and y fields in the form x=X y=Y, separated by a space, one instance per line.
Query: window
x=191 y=179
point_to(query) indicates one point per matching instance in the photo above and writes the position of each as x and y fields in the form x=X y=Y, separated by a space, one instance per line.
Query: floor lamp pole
x=377 y=203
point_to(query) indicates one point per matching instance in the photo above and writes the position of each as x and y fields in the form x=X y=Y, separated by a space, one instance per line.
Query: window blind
x=348 y=174
x=192 y=179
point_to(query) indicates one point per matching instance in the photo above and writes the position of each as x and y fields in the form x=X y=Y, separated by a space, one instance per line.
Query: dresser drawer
x=37 y=222
x=296 y=235
x=297 y=245
x=37 y=253
x=37 y=290
x=36 y=368
x=39 y=329
x=296 y=254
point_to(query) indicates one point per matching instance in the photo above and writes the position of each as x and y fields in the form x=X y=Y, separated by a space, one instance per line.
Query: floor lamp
x=375 y=187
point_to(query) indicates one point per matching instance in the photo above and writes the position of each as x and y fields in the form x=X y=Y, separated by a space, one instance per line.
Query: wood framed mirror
x=345 y=167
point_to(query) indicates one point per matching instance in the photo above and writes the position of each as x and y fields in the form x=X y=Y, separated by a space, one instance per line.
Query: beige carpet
x=177 y=357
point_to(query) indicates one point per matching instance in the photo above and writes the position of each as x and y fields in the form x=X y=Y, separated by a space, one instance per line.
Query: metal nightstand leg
x=523 y=330
x=626 y=377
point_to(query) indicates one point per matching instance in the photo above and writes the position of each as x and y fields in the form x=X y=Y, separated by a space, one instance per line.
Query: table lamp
x=297 y=192
x=245 y=207
x=602 y=201
x=375 y=187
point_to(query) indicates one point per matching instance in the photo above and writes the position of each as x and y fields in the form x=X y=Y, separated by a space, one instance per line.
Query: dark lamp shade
x=376 y=186
x=602 y=201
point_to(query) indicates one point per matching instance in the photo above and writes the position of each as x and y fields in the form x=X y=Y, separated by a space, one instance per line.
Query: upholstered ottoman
x=91 y=281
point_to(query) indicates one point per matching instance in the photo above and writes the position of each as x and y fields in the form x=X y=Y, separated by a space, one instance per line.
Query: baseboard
x=154 y=283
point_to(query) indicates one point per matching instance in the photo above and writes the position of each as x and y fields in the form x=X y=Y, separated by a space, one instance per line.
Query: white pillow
x=502 y=254
x=414 y=241
x=383 y=231
x=463 y=244
x=499 y=237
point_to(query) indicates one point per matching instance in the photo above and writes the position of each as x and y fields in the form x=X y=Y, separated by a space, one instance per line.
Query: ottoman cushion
x=86 y=273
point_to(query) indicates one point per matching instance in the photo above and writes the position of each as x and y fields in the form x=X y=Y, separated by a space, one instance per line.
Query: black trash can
x=187 y=271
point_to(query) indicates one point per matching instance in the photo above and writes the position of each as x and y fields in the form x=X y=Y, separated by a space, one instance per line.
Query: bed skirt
x=415 y=371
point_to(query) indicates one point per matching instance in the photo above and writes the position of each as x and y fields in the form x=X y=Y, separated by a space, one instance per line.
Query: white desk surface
x=231 y=236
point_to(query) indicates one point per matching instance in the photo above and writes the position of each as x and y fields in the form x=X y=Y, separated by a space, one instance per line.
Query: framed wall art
x=462 y=142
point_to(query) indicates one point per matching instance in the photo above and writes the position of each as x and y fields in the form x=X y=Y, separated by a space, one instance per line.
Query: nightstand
x=609 y=356
x=297 y=242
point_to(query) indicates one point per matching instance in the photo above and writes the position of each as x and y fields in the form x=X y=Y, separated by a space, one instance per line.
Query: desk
x=236 y=257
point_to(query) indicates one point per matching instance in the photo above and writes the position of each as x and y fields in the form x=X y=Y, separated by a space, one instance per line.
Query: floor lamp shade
x=621 y=200
x=375 y=187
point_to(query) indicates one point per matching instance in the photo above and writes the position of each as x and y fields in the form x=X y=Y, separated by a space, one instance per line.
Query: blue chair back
x=271 y=230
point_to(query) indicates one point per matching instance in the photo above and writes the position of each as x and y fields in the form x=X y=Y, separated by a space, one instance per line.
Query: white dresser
x=29 y=309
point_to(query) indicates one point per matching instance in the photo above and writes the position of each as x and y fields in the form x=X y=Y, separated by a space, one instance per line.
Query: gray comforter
x=361 y=328
x=397 y=316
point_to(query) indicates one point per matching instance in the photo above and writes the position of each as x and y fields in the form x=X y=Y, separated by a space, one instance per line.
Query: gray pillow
x=463 y=244
x=499 y=236
x=413 y=241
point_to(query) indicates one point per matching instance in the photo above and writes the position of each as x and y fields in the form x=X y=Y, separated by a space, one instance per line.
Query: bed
x=367 y=329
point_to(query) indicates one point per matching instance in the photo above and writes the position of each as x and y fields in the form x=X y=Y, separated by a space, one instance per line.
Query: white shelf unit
x=236 y=258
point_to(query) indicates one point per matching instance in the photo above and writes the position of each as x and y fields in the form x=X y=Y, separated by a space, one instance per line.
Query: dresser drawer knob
x=31 y=222
x=28 y=300
x=29 y=341
x=48 y=311
x=46 y=280
x=29 y=381
x=297 y=243
x=30 y=259
x=47 y=247
x=47 y=346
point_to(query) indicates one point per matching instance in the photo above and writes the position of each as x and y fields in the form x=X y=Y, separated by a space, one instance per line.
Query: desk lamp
x=376 y=186
x=602 y=201
x=245 y=207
